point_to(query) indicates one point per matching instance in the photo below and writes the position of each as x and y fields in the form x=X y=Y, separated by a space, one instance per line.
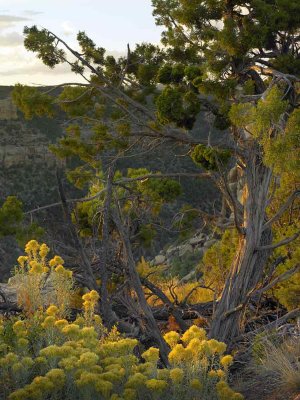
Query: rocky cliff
x=27 y=165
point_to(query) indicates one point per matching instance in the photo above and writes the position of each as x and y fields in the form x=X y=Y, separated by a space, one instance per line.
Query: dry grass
x=274 y=371
x=284 y=362
x=278 y=364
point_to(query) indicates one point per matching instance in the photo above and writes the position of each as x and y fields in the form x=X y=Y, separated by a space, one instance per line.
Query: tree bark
x=138 y=288
x=86 y=268
x=248 y=265
x=107 y=313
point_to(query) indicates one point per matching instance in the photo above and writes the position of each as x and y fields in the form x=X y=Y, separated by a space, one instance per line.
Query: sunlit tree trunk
x=248 y=265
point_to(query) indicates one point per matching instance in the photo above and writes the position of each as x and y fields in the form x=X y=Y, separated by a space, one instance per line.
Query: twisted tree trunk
x=138 y=288
x=248 y=265
x=107 y=313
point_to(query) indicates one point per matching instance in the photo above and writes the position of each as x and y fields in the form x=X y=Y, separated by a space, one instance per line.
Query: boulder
x=160 y=259
x=9 y=293
x=190 y=276
x=197 y=239
x=187 y=248
x=171 y=250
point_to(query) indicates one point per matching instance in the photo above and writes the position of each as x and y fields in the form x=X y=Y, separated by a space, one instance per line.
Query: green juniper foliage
x=12 y=222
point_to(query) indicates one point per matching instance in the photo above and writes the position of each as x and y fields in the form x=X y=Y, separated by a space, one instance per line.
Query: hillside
x=28 y=171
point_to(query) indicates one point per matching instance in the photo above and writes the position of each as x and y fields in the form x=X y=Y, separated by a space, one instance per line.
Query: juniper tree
x=12 y=222
x=236 y=61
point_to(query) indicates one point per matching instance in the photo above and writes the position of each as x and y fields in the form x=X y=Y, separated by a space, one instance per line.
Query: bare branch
x=273 y=325
x=233 y=310
x=185 y=300
x=107 y=312
x=87 y=270
x=66 y=84
x=283 y=277
x=236 y=207
x=76 y=99
x=159 y=293
x=82 y=200
x=282 y=209
x=163 y=176
x=126 y=67
x=279 y=244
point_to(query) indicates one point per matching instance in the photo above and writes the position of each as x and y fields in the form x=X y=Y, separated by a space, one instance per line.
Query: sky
x=110 y=23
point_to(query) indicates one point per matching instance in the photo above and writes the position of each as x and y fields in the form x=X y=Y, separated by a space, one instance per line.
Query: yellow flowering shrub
x=43 y=355
x=172 y=338
x=40 y=283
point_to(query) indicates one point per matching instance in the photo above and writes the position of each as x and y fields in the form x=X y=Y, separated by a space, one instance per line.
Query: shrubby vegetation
x=43 y=354
x=233 y=66
x=11 y=221
x=278 y=359
x=240 y=74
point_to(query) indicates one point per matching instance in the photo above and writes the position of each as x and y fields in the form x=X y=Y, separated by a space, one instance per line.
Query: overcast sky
x=110 y=23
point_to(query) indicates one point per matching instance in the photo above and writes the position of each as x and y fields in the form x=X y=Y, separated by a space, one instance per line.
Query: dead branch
x=86 y=270
x=120 y=182
x=68 y=201
x=283 y=277
x=173 y=310
x=237 y=208
x=109 y=316
x=279 y=244
x=282 y=209
x=185 y=300
x=286 y=275
x=273 y=325
x=126 y=66
x=164 y=176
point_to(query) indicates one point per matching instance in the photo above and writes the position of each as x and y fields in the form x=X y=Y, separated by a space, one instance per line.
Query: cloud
x=32 y=13
x=31 y=66
x=8 y=21
x=11 y=39
x=68 y=28
x=25 y=68
x=115 y=53
x=11 y=19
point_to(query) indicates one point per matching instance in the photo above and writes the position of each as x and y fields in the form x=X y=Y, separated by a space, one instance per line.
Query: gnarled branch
x=282 y=209
x=283 y=277
x=279 y=244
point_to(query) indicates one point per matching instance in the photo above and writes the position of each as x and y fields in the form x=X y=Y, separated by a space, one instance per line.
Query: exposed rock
x=160 y=259
x=187 y=248
x=171 y=251
x=9 y=292
x=209 y=243
x=197 y=239
x=8 y=110
x=191 y=275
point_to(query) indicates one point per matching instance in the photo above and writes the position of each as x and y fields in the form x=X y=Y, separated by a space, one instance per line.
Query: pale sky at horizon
x=110 y=23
